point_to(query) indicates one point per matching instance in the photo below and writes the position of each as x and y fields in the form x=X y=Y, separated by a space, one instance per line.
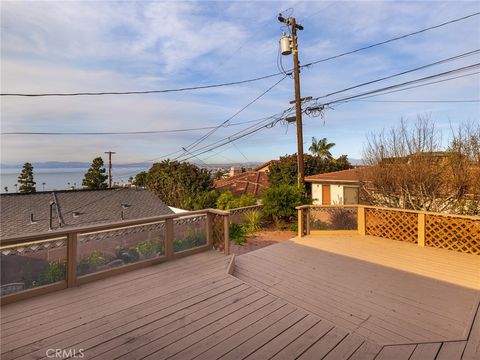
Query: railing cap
x=102 y=227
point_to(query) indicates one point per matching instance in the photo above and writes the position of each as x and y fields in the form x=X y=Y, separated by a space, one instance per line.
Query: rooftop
x=250 y=182
x=350 y=175
x=75 y=208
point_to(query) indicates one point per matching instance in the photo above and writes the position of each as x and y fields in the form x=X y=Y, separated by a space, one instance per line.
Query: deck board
x=299 y=299
x=362 y=284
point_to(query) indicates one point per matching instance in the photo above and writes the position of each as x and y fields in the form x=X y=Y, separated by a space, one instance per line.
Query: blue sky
x=118 y=46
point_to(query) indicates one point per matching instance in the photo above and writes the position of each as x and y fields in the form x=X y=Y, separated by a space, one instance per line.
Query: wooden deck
x=281 y=306
x=391 y=293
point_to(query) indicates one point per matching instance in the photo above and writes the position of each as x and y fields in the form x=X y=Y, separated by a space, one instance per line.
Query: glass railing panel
x=104 y=250
x=32 y=264
x=189 y=232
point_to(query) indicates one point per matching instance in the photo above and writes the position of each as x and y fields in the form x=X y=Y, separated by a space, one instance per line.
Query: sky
x=62 y=46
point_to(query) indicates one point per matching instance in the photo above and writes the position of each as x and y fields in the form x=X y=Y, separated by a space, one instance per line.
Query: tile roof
x=91 y=207
x=250 y=182
x=349 y=176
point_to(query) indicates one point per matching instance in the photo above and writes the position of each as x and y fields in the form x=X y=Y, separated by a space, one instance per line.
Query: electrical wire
x=202 y=138
x=419 y=101
x=422 y=85
x=391 y=40
x=391 y=87
x=191 y=88
x=124 y=132
x=443 y=61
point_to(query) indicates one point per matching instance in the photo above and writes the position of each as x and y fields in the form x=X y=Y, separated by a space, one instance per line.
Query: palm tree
x=321 y=148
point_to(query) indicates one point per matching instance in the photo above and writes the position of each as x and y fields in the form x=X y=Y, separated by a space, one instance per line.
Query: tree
x=140 y=179
x=284 y=171
x=227 y=200
x=279 y=201
x=178 y=183
x=321 y=148
x=410 y=169
x=95 y=177
x=27 y=185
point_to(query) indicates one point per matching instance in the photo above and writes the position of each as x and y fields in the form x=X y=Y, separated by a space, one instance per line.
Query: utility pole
x=286 y=45
x=110 y=167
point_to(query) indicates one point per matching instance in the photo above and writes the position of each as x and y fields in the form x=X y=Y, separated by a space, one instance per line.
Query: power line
x=469 y=53
x=191 y=88
x=124 y=132
x=418 y=101
x=391 y=40
x=391 y=87
x=421 y=85
x=202 y=138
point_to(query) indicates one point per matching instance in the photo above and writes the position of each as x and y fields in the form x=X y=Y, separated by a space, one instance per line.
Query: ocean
x=48 y=179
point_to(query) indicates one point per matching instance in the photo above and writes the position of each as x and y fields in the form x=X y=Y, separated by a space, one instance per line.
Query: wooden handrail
x=471 y=217
x=118 y=225
x=71 y=238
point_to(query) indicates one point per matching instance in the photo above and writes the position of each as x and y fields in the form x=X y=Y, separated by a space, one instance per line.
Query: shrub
x=342 y=219
x=55 y=271
x=90 y=263
x=253 y=220
x=149 y=248
x=279 y=202
x=227 y=201
x=294 y=227
x=238 y=233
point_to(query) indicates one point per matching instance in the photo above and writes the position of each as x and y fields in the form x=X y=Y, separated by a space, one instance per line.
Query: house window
x=350 y=195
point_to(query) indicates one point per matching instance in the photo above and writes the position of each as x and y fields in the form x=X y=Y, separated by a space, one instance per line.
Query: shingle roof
x=91 y=206
x=250 y=182
x=349 y=176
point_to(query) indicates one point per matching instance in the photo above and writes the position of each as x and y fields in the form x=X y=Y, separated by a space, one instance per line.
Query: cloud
x=95 y=46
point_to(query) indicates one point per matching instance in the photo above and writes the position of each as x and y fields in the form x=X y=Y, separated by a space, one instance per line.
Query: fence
x=237 y=215
x=40 y=263
x=453 y=232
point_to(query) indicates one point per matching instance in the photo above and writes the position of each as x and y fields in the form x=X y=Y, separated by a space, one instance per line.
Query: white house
x=335 y=188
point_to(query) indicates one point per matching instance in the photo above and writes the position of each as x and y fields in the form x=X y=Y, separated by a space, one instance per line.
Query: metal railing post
x=71 y=259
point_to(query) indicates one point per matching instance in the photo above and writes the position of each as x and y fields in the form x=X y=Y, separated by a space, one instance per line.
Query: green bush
x=238 y=233
x=149 y=248
x=227 y=201
x=279 y=202
x=55 y=271
x=90 y=263
x=294 y=227
x=253 y=220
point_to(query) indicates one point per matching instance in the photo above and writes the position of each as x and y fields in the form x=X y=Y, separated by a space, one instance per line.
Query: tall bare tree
x=409 y=168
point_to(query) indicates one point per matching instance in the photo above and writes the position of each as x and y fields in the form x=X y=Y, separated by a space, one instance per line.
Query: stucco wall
x=337 y=194
x=317 y=194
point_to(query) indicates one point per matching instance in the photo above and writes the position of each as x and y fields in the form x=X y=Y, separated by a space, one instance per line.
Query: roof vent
x=32 y=220
x=126 y=206
x=76 y=214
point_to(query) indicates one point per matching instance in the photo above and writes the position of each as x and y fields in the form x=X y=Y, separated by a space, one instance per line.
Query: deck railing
x=37 y=264
x=459 y=233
